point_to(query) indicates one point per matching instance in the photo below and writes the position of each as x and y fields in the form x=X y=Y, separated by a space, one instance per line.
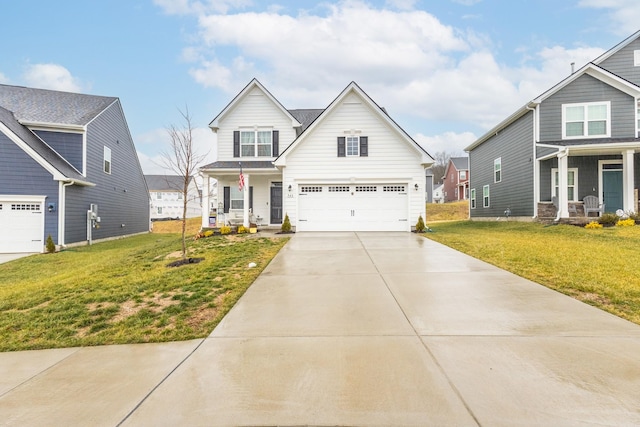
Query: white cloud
x=466 y=2
x=156 y=141
x=624 y=13
x=4 y=79
x=51 y=76
x=401 y=4
x=449 y=142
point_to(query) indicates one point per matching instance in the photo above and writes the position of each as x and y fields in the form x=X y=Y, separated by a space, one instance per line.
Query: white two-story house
x=166 y=197
x=348 y=167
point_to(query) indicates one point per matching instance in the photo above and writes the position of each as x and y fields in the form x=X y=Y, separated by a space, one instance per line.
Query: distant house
x=577 y=139
x=166 y=197
x=456 y=180
x=68 y=168
x=327 y=169
x=438 y=196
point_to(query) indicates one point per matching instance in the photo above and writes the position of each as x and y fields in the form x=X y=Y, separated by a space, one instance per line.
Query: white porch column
x=206 y=190
x=245 y=220
x=628 y=198
x=563 y=182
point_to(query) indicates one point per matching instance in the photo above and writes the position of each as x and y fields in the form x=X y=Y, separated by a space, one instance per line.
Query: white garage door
x=349 y=207
x=21 y=226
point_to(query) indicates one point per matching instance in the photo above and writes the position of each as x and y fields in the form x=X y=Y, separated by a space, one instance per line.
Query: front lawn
x=599 y=267
x=123 y=292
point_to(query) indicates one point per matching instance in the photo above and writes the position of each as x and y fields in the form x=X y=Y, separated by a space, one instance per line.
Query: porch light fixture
x=416 y=186
x=289 y=188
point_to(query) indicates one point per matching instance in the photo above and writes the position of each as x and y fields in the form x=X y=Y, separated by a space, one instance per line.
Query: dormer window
x=255 y=143
x=588 y=120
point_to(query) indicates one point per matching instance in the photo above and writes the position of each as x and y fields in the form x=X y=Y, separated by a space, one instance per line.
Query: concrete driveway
x=355 y=329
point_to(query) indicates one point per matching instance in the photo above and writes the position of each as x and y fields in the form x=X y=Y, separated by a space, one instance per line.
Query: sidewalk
x=355 y=329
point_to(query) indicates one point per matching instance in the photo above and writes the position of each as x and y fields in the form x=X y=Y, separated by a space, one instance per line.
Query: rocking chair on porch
x=591 y=204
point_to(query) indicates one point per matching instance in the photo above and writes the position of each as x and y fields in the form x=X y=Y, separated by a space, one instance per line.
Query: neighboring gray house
x=68 y=168
x=166 y=196
x=579 y=138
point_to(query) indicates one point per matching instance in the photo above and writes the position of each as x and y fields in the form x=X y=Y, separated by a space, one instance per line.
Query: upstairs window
x=589 y=120
x=636 y=58
x=107 y=160
x=255 y=143
x=463 y=175
x=497 y=170
x=159 y=195
x=485 y=196
x=353 y=145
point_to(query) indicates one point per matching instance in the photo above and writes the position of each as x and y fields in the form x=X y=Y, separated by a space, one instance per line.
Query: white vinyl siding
x=255 y=110
x=389 y=157
x=588 y=120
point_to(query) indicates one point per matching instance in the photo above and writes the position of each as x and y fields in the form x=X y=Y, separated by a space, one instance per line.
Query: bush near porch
x=596 y=266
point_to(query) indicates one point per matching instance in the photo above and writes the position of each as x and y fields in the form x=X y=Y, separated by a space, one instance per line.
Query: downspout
x=534 y=159
x=61 y=212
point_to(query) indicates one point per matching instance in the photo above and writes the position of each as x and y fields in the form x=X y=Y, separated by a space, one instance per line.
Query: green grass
x=599 y=267
x=454 y=211
x=122 y=292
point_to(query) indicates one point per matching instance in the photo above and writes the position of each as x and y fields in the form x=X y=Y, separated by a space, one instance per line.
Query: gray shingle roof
x=46 y=152
x=461 y=163
x=164 y=182
x=305 y=116
x=50 y=106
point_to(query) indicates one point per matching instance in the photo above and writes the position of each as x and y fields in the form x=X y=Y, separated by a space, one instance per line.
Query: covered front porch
x=569 y=173
x=257 y=202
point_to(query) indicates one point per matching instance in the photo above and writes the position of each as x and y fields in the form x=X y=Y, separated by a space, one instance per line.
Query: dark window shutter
x=275 y=142
x=364 y=146
x=227 y=199
x=236 y=143
x=251 y=198
x=342 y=151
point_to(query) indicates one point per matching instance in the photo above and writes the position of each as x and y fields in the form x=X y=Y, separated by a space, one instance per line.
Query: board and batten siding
x=256 y=109
x=514 y=145
x=122 y=196
x=21 y=175
x=66 y=144
x=588 y=89
x=390 y=158
x=621 y=63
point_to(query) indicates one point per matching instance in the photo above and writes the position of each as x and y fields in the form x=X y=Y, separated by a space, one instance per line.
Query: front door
x=276 y=203
x=612 y=189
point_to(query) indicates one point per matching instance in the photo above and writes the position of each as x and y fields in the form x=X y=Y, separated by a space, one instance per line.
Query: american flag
x=241 y=180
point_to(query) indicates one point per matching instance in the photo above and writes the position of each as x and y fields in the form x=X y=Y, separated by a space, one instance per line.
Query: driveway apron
x=371 y=329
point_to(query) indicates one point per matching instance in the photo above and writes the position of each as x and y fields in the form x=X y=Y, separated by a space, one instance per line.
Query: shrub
x=51 y=247
x=225 y=230
x=608 y=218
x=626 y=222
x=207 y=233
x=593 y=225
x=286 y=224
x=420 y=227
x=242 y=229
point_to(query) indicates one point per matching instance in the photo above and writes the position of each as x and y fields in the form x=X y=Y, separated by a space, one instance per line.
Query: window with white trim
x=159 y=210
x=463 y=175
x=572 y=183
x=485 y=196
x=497 y=170
x=636 y=58
x=107 y=160
x=159 y=195
x=588 y=120
x=353 y=145
x=256 y=143
x=236 y=198
x=473 y=198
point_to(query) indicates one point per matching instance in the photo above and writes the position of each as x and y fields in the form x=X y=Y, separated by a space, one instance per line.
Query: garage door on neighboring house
x=353 y=207
x=21 y=225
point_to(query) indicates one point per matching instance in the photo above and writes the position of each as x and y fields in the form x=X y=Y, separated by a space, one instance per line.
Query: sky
x=446 y=71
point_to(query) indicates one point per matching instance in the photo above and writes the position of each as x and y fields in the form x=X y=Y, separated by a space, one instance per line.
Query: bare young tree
x=183 y=160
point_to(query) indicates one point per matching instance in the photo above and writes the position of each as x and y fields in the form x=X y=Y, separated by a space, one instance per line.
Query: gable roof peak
x=617 y=48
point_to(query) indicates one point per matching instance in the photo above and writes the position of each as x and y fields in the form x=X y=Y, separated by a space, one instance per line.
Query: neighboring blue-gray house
x=577 y=139
x=68 y=168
